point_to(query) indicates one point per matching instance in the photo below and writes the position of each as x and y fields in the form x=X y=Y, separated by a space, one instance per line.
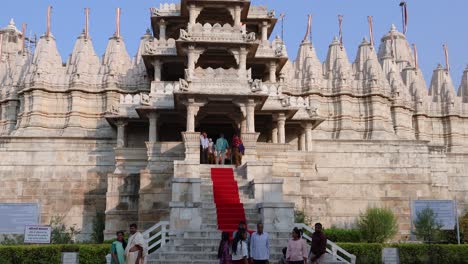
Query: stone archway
x=219 y=117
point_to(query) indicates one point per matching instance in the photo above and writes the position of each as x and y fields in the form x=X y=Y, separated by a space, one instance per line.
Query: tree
x=426 y=226
x=377 y=225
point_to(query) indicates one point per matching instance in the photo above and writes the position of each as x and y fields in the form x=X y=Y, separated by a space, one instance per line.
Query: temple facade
x=120 y=134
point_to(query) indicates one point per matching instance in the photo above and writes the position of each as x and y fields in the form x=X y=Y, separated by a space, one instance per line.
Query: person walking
x=223 y=250
x=260 y=246
x=221 y=146
x=211 y=151
x=319 y=245
x=236 y=151
x=118 y=249
x=297 y=249
x=239 y=248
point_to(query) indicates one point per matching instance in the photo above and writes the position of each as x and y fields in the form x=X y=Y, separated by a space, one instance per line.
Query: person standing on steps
x=236 y=150
x=319 y=245
x=260 y=246
x=221 y=146
x=211 y=151
x=224 y=255
x=240 y=253
x=204 y=144
x=297 y=249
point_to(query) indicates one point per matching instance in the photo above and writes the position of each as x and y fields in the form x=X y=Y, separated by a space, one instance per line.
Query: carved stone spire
x=83 y=65
x=395 y=46
x=442 y=89
x=116 y=60
x=337 y=66
x=463 y=90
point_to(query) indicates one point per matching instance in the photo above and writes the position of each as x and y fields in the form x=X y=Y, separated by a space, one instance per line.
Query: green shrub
x=433 y=253
x=426 y=226
x=343 y=235
x=61 y=234
x=98 y=227
x=365 y=252
x=51 y=254
x=377 y=225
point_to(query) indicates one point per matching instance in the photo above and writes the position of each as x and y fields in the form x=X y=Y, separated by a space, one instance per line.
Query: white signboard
x=69 y=258
x=14 y=216
x=390 y=256
x=444 y=210
x=36 y=234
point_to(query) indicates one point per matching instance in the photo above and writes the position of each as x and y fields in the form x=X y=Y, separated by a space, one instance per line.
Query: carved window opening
x=217 y=58
x=213 y=15
x=172 y=71
x=259 y=71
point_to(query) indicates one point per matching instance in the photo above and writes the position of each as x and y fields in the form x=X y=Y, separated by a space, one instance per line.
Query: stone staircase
x=201 y=246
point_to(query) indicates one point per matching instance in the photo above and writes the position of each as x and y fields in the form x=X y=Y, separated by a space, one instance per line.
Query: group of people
x=134 y=251
x=255 y=249
x=217 y=152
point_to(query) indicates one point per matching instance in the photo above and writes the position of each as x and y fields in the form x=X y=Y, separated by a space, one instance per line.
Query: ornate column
x=308 y=136
x=193 y=14
x=237 y=16
x=281 y=128
x=243 y=126
x=302 y=141
x=242 y=59
x=274 y=135
x=157 y=70
x=162 y=30
x=273 y=72
x=191 y=59
x=250 y=107
x=192 y=111
x=153 y=127
x=265 y=32
x=121 y=133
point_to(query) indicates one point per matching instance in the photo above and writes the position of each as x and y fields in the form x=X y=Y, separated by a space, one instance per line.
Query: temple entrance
x=219 y=117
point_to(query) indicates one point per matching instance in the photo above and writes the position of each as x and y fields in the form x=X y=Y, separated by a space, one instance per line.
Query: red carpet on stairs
x=229 y=209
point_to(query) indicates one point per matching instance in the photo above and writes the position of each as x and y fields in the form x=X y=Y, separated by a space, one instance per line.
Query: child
x=283 y=257
x=223 y=249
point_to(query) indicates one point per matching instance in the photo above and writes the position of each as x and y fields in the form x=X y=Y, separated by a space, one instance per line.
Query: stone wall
x=66 y=176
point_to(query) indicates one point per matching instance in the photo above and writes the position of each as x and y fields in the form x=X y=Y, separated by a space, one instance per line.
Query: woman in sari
x=118 y=249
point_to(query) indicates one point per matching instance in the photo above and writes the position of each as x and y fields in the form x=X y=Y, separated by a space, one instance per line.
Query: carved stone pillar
x=243 y=126
x=250 y=107
x=281 y=128
x=193 y=14
x=162 y=30
x=308 y=136
x=191 y=60
x=157 y=70
x=121 y=142
x=192 y=111
x=237 y=16
x=242 y=59
x=273 y=72
x=265 y=32
x=274 y=135
x=302 y=141
x=153 y=127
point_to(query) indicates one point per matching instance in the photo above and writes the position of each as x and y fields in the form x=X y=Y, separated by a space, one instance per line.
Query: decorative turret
x=337 y=67
x=138 y=76
x=10 y=40
x=116 y=61
x=463 y=90
x=46 y=66
x=367 y=69
x=83 y=65
x=395 y=46
x=441 y=89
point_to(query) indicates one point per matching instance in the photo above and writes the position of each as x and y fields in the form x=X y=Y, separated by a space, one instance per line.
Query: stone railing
x=260 y=12
x=133 y=99
x=210 y=74
x=216 y=33
x=336 y=251
x=164 y=87
x=166 y=10
x=276 y=50
x=160 y=47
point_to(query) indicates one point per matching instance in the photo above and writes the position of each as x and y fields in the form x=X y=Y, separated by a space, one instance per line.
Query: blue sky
x=431 y=23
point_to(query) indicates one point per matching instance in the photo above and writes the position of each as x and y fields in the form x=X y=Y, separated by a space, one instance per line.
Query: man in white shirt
x=204 y=144
x=259 y=246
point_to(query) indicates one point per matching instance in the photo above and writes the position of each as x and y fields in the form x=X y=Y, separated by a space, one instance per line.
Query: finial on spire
x=447 y=65
x=393 y=28
x=282 y=16
x=117 y=22
x=371 y=30
x=49 y=13
x=309 y=28
x=415 y=51
x=340 y=24
x=86 y=30
x=12 y=22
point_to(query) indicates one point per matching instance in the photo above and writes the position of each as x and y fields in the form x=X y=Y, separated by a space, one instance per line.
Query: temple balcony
x=217 y=33
x=166 y=10
x=160 y=48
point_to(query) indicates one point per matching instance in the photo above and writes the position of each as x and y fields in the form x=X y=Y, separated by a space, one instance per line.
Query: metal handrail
x=334 y=248
x=159 y=238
